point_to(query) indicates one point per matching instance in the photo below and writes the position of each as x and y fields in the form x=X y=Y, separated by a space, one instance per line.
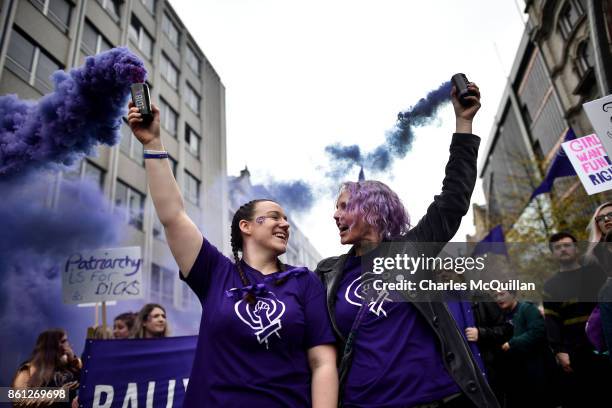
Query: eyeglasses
x=604 y=217
x=275 y=218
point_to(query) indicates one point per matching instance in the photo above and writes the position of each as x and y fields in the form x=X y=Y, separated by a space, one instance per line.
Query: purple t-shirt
x=397 y=361
x=254 y=355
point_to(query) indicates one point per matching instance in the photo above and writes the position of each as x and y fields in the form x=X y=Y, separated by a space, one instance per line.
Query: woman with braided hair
x=265 y=337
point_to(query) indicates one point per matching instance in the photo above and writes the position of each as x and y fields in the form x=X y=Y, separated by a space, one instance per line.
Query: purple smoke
x=294 y=196
x=398 y=141
x=41 y=228
x=84 y=110
x=34 y=241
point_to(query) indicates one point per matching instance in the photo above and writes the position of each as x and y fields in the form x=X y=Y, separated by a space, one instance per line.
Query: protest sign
x=102 y=275
x=599 y=113
x=591 y=163
x=152 y=373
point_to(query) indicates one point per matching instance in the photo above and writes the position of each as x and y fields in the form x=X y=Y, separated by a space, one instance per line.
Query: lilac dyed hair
x=378 y=206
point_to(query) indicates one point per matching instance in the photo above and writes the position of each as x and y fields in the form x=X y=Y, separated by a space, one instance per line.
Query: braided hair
x=246 y=212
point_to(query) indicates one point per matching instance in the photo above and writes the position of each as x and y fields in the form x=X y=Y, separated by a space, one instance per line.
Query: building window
x=70 y=190
x=192 y=60
x=187 y=298
x=193 y=141
x=168 y=117
x=161 y=287
x=171 y=31
x=192 y=99
x=149 y=5
x=584 y=58
x=112 y=6
x=58 y=11
x=93 y=173
x=85 y=170
x=93 y=42
x=526 y=115
x=169 y=71
x=155 y=283
x=167 y=287
x=192 y=188
x=158 y=229
x=131 y=201
x=30 y=62
x=130 y=145
x=140 y=37
x=173 y=165
x=569 y=16
x=583 y=64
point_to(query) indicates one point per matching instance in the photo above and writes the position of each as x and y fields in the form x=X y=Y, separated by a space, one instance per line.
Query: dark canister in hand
x=142 y=100
x=461 y=82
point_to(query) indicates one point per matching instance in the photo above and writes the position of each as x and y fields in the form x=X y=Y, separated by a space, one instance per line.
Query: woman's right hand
x=146 y=134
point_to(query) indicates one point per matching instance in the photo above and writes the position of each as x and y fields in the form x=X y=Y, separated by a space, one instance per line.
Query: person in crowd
x=52 y=364
x=483 y=325
x=600 y=236
x=123 y=325
x=265 y=339
x=528 y=369
x=399 y=353
x=460 y=306
x=102 y=333
x=151 y=322
x=570 y=296
x=490 y=331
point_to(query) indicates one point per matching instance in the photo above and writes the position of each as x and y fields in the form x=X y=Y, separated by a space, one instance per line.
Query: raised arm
x=182 y=235
x=443 y=216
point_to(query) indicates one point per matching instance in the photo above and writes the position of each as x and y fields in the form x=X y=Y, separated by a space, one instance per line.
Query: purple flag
x=494 y=242
x=560 y=167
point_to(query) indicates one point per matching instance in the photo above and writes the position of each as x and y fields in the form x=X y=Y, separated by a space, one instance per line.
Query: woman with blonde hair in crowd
x=151 y=322
x=600 y=236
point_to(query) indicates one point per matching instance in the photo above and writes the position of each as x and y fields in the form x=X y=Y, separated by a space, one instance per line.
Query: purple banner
x=133 y=373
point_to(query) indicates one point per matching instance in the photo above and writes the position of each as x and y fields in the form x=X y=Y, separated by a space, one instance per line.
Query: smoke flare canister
x=142 y=100
x=461 y=82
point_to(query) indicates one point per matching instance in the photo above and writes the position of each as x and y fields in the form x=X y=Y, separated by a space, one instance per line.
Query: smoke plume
x=398 y=141
x=44 y=222
x=84 y=110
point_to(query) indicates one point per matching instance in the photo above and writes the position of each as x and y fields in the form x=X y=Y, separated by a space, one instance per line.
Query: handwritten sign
x=102 y=275
x=591 y=163
x=599 y=113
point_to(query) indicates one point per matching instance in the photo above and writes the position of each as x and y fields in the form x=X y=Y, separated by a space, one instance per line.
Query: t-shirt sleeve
x=208 y=261
x=318 y=326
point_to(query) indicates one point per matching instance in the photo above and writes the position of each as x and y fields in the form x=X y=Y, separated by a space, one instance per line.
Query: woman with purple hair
x=403 y=354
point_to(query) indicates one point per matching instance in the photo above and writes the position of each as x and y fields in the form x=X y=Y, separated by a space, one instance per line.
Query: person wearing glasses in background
x=569 y=298
x=600 y=236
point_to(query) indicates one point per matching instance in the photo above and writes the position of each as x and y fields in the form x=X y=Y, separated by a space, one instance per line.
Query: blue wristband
x=155 y=154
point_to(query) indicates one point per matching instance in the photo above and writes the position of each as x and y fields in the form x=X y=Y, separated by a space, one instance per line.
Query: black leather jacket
x=439 y=225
